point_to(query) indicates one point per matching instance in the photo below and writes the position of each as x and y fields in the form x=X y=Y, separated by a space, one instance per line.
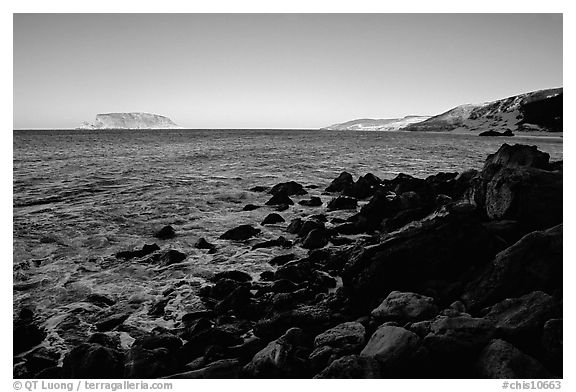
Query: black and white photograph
x=286 y=196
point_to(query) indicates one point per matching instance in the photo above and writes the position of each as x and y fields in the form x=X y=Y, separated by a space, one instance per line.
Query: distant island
x=130 y=121
x=535 y=111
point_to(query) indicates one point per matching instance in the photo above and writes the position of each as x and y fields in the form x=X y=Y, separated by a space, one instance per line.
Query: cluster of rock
x=451 y=276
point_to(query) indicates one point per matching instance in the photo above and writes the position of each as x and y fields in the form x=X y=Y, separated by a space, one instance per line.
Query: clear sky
x=274 y=70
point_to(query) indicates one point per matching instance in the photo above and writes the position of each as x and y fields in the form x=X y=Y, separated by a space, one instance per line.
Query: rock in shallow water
x=240 y=233
x=165 y=233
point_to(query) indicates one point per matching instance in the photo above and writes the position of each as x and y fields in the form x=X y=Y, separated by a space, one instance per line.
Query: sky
x=274 y=70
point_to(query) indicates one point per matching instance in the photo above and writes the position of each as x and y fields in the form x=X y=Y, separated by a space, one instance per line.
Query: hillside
x=368 y=124
x=130 y=121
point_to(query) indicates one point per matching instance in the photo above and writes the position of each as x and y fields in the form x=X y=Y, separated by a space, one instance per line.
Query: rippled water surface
x=81 y=196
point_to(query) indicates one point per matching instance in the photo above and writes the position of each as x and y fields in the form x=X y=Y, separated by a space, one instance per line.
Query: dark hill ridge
x=535 y=111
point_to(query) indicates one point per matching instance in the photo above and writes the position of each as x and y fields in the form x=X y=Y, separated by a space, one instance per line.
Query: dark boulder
x=294 y=226
x=92 y=360
x=282 y=259
x=284 y=357
x=170 y=257
x=238 y=276
x=343 y=181
x=352 y=366
x=201 y=243
x=221 y=369
x=272 y=218
x=289 y=188
x=297 y=271
x=314 y=201
x=533 y=263
x=100 y=299
x=280 y=199
x=405 y=307
x=111 y=322
x=551 y=345
x=165 y=233
x=146 y=250
x=343 y=339
x=280 y=241
x=317 y=238
x=250 y=207
x=240 y=233
x=502 y=360
x=259 y=188
x=342 y=203
x=152 y=356
x=491 y=132
x=308 y=225
x=519 y=155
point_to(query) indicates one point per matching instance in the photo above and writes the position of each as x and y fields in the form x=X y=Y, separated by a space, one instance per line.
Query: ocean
x=82 y=196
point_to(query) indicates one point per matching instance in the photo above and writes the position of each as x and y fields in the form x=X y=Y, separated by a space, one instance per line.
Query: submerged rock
x=280 y=199
x=165 y=233
x=289 y=188
x=314 y=201
x=272 y=218
x=201 y=243
x=146 y=250
x=240 y=233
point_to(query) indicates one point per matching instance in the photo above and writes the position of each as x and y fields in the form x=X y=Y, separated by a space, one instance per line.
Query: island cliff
x=130 y=121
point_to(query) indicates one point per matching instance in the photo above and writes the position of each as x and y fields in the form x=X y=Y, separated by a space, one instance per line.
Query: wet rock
x=100 y=299
x=201 y=243
x=343 y=339
x=282 y=207
x=343 y=181
x=533 y=263
x=280 y=241
x=157 y=308
x=92 y=360
x=146 y=250
x=152 y=357
x=267 y=275
x=221 y=369
x=309 y=225
x=106 y=340
x=194 y=327
x=500 y=359
x=272 y=219
x=223 y=288
x=192 y=317
x=520 y=320
x=297 y=271
x=279 y=199
x=339 y=241
x=197 y=344
x=170 y=257
x=342 y=203
x=289 y=188
x=393 y=347
x=282 y=358
x=240 y=233
x=284 y=286
x=364 y=187
x=40 y=359
x=456 y=335
x=282 y=259
x=314 y=201
x=294 y=226
x=317 y=238
x=352 y=366
x=519 y=155
x=250 y=207
x=111 y=322
x=165 y=233
x=259 y=188
x=405 y=306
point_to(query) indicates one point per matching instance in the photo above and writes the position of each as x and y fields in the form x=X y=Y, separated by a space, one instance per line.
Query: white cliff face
x=130 y=121
x=368 y=124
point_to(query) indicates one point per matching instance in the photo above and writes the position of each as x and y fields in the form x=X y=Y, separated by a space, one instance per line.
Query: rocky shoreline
x=451 y=276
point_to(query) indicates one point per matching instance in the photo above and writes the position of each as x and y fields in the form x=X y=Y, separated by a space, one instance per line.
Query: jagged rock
x=272 y=218
x=343 y=181
x=343 y=339
x=201 y=243
x=165 y=233
x=500 y=359
x=519 y=155
x=342 y=203
x=280 y=199
x=308 y=225
x=454 y=335
x=41 y=358
x=92 y=360
x=533 y=263
x=146 y=250
x=170 y=257
x=408 y=306
x=393 y=347
x=198 y=343
x=240 y=233
x=297 y=271
x=152 y=356
x=282 y=358
x=317 y=238
x=289 y=188
x=313 y=202
x=352 y=366
x=111 y=322
x=294 y=226
x=520 y=320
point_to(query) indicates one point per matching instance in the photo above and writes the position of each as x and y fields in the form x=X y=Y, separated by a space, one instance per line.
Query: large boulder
x=520 y=320
x=93 y=360
x=441 y=248
x=516 y=184
x=281 y=358
x=500 y=359
x=352 y=366
x=317 y=238
x=342 y=203
x=454 y=335
x=280 y=199
x=343 y=339
x=533 y=263
x=26 y=333
x=343 y=181
x=551 y=345
x=272 y=219
x=152 y=356
x=399 y=306
x=393 y=347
